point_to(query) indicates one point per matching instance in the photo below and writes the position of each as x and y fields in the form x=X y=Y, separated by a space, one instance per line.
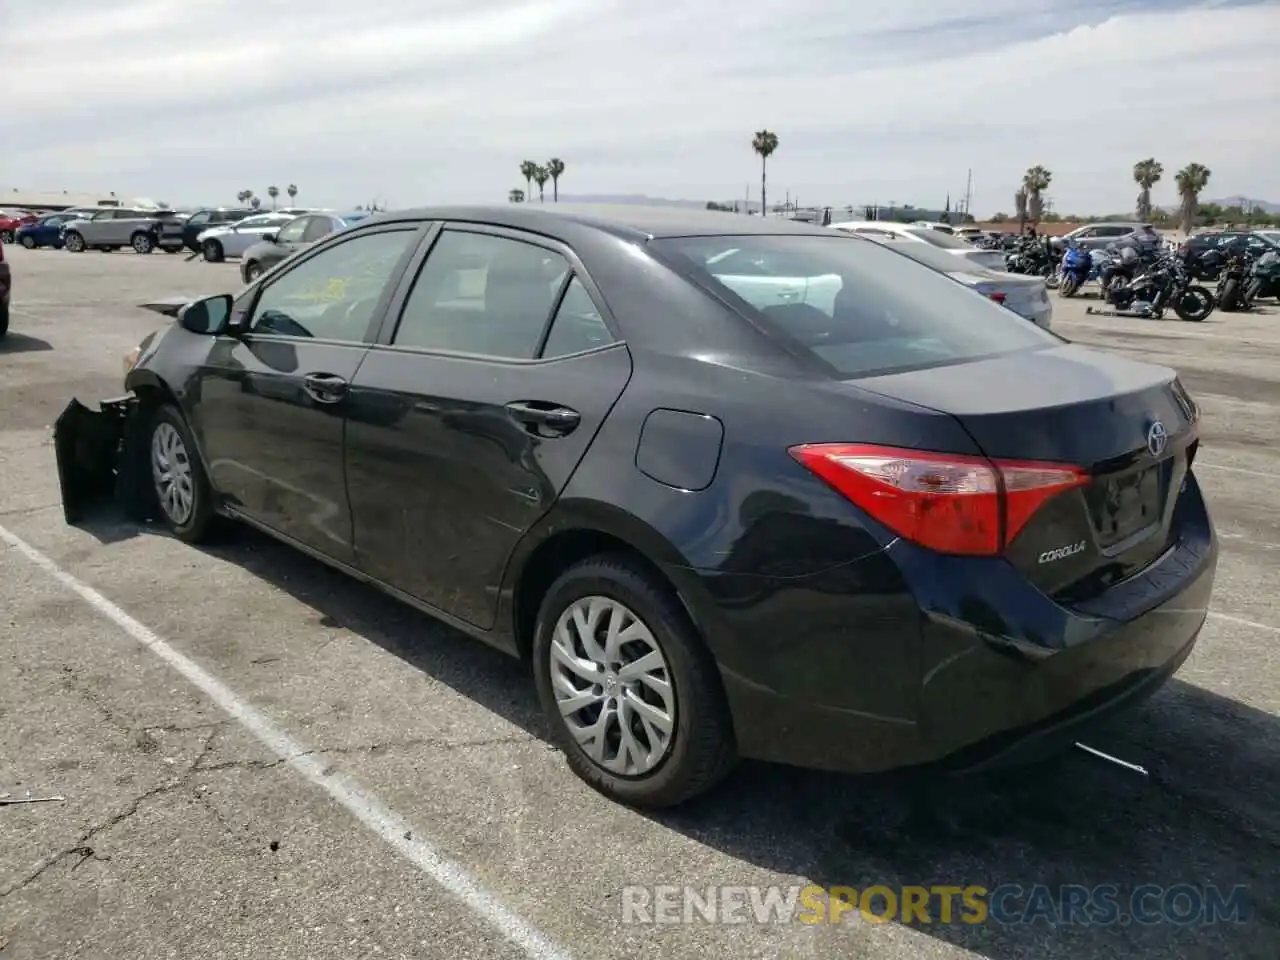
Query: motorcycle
x=1264 y=277
x=1079 y=266
x=1231 y=293
x=1164 y=283
x=1033 y=257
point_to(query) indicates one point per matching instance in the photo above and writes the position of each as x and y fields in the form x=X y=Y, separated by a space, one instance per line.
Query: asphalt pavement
x=260 y=758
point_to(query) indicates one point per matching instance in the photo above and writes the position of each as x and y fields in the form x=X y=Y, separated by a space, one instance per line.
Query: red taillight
x=997 y=297
x=947 y=502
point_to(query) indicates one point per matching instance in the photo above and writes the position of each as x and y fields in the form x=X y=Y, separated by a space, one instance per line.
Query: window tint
x=860 y=308
x=577 y=326
x=292 y=231
x=333 y=294
x=937 y=238
x=1114 y=231
x=199 y=219
x=482 y=294
x=259 y=221
x=318 y=227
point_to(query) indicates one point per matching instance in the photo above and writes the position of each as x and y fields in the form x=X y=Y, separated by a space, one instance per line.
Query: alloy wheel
x=171 y=471
x=613 y=686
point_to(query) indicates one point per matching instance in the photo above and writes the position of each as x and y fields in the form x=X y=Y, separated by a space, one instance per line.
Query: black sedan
x=733 y=486
x=293 y=236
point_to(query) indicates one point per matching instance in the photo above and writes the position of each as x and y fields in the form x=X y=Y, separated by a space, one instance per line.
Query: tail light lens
x=950 y=503
x=997 y=297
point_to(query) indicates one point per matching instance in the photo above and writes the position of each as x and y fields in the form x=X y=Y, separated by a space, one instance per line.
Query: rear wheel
x=1194 y=304
x=632 y=695
x=212 y=251
x=142 y=243
x=178 y=483
x=1252 y=291
x=252 y=271
x=6 y=236
x=1229 y=297
x=1069 y=285
x=73 y=242
x=29 y=242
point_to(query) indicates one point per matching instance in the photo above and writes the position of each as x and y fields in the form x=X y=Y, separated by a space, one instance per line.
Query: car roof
x=629 y=221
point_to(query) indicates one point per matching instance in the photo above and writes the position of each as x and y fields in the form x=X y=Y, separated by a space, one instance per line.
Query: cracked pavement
x=182 y=836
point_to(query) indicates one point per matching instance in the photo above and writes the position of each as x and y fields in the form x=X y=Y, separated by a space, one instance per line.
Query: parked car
x=45 y=231
x=954 y=246
x=293 y=236
x=111 y=228
x=1256 y=242
x=233 y=239
x=734 y=486
x=6 y=286
x=11 y=220
x=183 y=233
x=1027 y=296
x=1098 y=236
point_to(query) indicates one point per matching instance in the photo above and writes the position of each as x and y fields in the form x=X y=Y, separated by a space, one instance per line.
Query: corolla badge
x=1157 y=438
x=1061 y=553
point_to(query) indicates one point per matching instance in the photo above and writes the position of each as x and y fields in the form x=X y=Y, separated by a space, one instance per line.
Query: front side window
x=333 y=295
x=249 y=223
x=318 y=228
x=860 y=308
x=482 y=294
x=292 y=231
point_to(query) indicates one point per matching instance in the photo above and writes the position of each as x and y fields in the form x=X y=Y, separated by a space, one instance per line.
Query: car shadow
x=1204 y=813
x=22 y=343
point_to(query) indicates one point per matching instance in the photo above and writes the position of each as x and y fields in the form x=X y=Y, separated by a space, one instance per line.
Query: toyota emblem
x=1157 y=438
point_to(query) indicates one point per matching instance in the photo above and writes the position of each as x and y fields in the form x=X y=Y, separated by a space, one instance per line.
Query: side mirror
x=269 y=237
x=209 y=317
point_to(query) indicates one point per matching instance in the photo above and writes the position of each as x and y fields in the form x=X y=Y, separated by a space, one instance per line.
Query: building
x=26 y=199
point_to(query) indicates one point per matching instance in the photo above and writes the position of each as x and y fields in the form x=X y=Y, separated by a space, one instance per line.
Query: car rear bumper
x=978 y=698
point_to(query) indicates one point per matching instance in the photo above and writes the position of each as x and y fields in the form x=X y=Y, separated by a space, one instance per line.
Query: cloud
x=427 y=102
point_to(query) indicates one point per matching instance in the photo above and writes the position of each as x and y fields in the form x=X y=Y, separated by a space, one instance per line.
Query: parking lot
x=263 y=759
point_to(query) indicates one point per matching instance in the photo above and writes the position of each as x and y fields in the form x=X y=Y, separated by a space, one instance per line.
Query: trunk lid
x=1130 y=425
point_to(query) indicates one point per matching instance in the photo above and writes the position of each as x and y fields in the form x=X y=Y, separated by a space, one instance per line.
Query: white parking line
x=1243 y=622
x=384 y=822
x=1216 y=466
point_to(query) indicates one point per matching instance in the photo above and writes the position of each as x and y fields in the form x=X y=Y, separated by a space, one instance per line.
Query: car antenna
x=1133 y=767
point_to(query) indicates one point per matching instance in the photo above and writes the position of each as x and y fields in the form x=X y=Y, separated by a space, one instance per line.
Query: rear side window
x=855 y=305
x=482 y=294
x=577 y=326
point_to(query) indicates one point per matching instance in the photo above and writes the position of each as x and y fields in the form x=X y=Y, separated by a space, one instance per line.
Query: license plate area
x=1123 y=506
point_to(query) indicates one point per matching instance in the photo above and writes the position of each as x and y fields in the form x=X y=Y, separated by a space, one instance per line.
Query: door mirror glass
x=269 y=237
x=209 y=316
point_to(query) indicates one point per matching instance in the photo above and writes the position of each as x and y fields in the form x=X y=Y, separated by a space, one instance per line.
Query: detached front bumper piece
x=97 y=456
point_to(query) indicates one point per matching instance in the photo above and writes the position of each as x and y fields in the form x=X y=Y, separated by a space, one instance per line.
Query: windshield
x=856 y=305
x=937 y=238
x=1271 y=235
x=261 y=221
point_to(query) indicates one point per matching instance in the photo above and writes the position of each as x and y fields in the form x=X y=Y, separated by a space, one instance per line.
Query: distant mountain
x=632 y=199
x=1260 y=205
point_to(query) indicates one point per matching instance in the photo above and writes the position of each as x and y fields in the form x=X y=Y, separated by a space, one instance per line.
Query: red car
x=11 y=220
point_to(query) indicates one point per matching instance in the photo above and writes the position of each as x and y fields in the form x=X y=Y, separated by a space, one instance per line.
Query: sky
x=417 y=102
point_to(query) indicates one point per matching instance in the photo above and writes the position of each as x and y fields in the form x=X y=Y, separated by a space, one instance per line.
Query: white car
x=233 y=239
x=888 y=230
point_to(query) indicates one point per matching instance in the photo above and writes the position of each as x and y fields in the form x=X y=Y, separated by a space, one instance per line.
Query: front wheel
x=1229 y=296
x=142 y=243
x=1070 y=284
x=632 y=694
x=1194 y=304
x=252 y=271
x=179 y=486
x=73 y=242
x=1251 y=292
x=212 y=251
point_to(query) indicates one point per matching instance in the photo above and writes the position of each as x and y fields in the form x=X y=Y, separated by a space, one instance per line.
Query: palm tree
x=292 y=191
x=764 y=143
x=244 y=195
x=540 y=176
x=254 y=202
x=527 y=170
x=1020 y=204
x=1036 y=181
x=516 y=196
x=1146 y=174
x=273 y=192
x=555 y=168
x=1191 y=179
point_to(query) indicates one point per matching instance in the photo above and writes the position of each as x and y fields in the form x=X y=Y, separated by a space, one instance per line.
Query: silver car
x=1025 y=295
x=233 y=239
x=111 y=228
x=914 y=233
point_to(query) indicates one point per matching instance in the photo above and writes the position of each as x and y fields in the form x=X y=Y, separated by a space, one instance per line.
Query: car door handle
x=544 y=418
x=324 y=387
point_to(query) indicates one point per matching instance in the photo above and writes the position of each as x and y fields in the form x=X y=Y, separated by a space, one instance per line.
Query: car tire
x=142 y=243
x=252 y=271
x=179 y=488
x=29 y=242
x=6 y=236
x=699 y=748
x=73 y=242
x=4 y=318
x=212 y=251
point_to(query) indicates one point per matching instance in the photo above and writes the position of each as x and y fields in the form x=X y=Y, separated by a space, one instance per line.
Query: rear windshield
x=857 y=306
x=938 y=238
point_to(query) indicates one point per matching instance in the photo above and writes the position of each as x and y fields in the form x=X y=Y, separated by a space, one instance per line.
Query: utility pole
x=968 y=192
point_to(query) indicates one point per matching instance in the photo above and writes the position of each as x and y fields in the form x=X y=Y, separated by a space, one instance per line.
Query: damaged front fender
x=100 y=458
